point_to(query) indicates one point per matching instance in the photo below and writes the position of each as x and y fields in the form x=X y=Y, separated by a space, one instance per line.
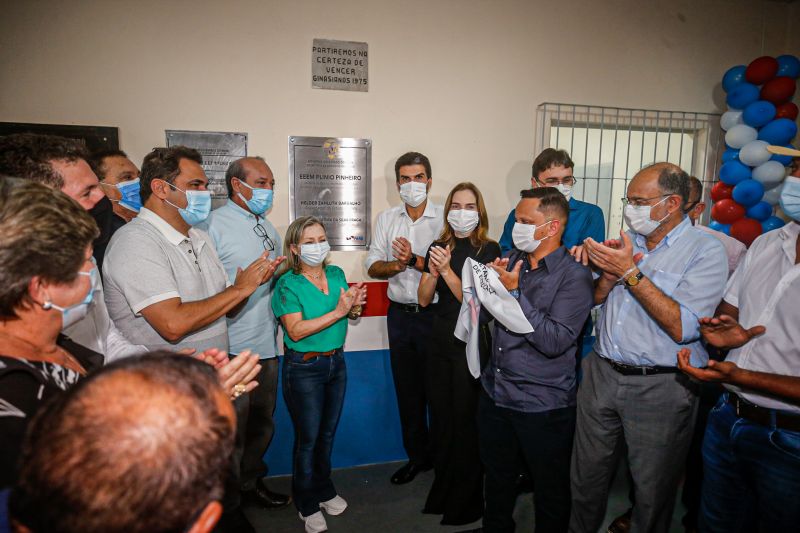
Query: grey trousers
x=655 y=416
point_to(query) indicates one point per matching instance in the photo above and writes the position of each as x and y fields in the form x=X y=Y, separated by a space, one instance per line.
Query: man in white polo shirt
x=165 y=286
x=400 y=241
x=241 y=233
x=751 y=450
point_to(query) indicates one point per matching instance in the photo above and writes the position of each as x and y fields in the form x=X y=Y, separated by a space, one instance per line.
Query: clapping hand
x=237 y=375
x=725 y=332
x=355 y=295
x=717 y=371
x=439 y=260
x=614 y=257
x=510 y=280
x=401 y=250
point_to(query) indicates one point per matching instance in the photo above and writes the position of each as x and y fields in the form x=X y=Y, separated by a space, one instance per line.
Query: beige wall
x=457 y=80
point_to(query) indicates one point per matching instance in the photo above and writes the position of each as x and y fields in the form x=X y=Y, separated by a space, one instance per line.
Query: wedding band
x=238 y=390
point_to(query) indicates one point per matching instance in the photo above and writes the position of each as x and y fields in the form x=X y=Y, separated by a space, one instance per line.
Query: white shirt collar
x=789 y=234
x=172 y=235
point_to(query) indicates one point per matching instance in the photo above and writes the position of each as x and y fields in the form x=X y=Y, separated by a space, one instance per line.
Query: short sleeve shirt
x=231 y=229
x=296 y=294
x=148 y=261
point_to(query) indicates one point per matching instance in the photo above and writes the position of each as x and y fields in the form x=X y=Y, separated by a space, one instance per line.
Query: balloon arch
x=760 y=114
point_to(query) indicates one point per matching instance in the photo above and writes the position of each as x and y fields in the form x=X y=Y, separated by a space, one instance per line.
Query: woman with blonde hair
x=313 y=301
x=457 y=491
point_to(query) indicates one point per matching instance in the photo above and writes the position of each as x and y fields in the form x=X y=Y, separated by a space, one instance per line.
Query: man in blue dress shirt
x=553 y=168
x=656 y=282
x=240 y=234
x=528 y=405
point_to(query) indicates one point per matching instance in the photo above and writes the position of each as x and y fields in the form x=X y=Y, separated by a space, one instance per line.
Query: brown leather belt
x=762 y=415
x=312 y=355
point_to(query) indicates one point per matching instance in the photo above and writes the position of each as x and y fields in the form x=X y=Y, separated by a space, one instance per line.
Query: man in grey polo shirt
x=165 y=285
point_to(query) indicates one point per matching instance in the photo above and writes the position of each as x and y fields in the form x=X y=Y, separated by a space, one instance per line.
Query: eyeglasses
x=261 y=231
x=552 y=182
x=642 y=201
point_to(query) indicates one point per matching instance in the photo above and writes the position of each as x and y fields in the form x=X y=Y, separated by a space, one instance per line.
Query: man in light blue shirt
x=553 y=168
x=240 y=233
x=656 y=282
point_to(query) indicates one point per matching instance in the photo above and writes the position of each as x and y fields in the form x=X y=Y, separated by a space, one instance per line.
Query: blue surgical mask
x=198 y=205
x=260 y=201
x=314 y=254
x=790 y=197
x=76 y=312
x=130 y=195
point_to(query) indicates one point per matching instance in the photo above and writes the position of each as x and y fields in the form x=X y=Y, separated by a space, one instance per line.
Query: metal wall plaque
x=96 y=138
x=331 y=179
x=339 y=65
x=219 y=149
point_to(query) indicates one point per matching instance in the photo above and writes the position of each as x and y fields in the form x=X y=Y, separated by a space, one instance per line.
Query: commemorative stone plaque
x=219 y=149
x=330 y=178
x=339 y=65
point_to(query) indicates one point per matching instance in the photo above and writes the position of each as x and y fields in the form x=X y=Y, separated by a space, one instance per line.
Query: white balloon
x=773 y=196
x=769 y=174
x=755 y=153
x=731 y=118
x=740 y=135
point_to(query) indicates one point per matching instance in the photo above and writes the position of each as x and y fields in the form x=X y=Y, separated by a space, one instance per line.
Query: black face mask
x=103 y=215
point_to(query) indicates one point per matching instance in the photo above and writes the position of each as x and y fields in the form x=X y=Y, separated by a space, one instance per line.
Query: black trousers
x=254 y=430
x=409 y=339
x=457 y=490
x=545 y=442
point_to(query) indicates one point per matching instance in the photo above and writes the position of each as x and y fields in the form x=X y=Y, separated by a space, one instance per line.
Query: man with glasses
x=656 y=282
x=241 y=233
x=553 y=168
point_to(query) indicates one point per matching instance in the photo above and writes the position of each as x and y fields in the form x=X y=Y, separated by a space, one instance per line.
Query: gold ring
x=238 y=390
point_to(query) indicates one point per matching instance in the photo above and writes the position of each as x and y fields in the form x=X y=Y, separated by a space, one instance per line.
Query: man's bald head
x=140 y=446
x=669 y=178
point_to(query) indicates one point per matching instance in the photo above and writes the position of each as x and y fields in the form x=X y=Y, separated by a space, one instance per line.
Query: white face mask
x=637 y=217
x=413 y=193
x=566 y=190
x=76 y=312
x=462 y=220
x=522 y=235
x=790 y=198
x=314 y=254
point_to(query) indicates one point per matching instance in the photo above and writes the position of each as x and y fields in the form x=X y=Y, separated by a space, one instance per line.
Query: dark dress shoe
x=408 y=472
x=264 y=497
x=622 y=523
x=234 y=522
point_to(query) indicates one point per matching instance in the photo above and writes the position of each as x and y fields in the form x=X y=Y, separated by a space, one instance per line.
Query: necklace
x=310 y=275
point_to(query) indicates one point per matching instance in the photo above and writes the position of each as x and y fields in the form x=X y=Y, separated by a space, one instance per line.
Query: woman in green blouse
x=313 y=301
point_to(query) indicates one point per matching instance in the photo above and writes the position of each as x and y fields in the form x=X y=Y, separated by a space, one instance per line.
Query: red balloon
x=746 y=230
x=787 y=110
x=721 y=191
x=761 y=70
x=727 y=211
x=778 y=90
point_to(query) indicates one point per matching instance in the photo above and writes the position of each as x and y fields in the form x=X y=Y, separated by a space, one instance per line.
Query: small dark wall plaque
x=95 y=138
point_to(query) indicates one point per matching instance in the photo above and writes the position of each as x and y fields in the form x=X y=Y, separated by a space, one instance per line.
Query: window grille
x=610 y=144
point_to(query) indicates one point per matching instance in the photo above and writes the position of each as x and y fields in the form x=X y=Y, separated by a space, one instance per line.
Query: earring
x=47 y=305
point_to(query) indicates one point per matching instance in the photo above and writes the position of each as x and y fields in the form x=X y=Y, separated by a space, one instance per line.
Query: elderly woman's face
x=67 y=294
x=311 y=235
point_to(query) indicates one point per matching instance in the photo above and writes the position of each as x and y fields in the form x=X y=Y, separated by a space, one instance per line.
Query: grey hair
x=237 y=170
x=671 y=180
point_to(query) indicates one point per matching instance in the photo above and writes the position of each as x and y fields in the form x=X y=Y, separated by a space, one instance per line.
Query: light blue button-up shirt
x=688 y=266
x=232 y=231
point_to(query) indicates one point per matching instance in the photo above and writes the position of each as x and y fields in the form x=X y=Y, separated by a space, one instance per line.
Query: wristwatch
x=412 y=261
x=634 y=279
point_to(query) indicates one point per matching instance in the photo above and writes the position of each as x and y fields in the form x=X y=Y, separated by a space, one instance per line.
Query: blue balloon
x=772 y=223
x=731 y=154
x=724 y=228
x=784 y=160
x=733 y=77
x=748 y=192
x=733 y=172
x=788 y=66
x=779 y=131
x=761 y=211
x=742 y=95
x=758 y=113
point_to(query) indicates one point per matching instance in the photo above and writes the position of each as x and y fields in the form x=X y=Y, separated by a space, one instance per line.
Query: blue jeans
x=314 y=394
x=751 y=475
